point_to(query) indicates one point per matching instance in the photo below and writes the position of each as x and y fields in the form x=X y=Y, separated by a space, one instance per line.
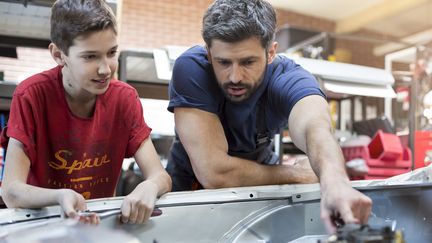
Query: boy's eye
x=112 y=53
x=89 y=57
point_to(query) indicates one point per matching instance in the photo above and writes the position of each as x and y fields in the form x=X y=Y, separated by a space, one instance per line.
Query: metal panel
x=250 y=214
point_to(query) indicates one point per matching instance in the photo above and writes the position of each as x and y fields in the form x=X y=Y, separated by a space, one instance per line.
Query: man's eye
x=248 y=63
x=224 y=63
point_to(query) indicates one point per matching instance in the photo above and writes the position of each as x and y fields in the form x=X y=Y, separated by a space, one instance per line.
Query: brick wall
x=146 y=24
x=294 y=19
x=30 y=61
x=152 y=24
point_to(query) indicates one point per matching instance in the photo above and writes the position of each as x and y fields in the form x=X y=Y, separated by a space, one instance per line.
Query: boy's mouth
x=102 y=81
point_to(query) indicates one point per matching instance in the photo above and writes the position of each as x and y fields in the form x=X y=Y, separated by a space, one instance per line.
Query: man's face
x=239 y=67
x=91 y=63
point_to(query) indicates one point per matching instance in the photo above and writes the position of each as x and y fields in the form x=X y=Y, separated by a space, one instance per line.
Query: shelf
x=6 y=93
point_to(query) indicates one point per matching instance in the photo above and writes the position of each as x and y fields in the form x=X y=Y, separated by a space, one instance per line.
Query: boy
x=70 y=127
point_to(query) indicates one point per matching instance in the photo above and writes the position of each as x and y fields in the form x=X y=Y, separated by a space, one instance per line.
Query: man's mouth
x=236 y=91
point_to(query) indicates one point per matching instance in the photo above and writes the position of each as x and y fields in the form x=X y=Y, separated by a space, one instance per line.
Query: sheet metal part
x=285 y=213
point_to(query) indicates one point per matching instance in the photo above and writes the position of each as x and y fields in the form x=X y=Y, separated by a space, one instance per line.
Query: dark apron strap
x=263 y=151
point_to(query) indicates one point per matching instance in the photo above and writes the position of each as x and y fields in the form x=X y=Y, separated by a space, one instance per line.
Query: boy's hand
x=71 y=202
x=137 y=207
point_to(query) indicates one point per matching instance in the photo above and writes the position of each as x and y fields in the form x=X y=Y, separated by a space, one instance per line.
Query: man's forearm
x=326 y=156
x=240 y=172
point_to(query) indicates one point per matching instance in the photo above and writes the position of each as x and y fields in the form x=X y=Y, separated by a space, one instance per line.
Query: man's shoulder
x=284 y=68
x=194 y=55
x=194 y=52
x=192 y=68
x=284 y=63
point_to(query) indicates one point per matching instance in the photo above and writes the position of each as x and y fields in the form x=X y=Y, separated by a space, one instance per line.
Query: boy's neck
x=81 y=105
x=80 y=108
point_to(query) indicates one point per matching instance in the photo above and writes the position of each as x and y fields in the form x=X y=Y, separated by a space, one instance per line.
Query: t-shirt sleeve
x=21 y=124
x=292 y=84
x=192 y=85
x=139 y=130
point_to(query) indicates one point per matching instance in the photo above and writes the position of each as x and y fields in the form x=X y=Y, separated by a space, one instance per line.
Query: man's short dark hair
x=237 y=20
x=73 y=18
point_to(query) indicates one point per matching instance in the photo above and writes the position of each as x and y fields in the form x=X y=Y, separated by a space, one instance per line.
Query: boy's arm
x=16 y=193
x=138 y=205
x=203 y=138
x=310 y=130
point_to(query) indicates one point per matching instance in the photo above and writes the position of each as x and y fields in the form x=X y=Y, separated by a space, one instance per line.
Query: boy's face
x=239 y=67
x=91 y=63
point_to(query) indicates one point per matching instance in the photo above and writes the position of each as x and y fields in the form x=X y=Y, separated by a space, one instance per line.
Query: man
x=233 y=95
x=70 y=127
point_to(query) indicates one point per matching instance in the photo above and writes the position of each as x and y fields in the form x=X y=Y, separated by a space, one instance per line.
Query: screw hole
x=298 y=196
x=251 y=195
x=28 y=215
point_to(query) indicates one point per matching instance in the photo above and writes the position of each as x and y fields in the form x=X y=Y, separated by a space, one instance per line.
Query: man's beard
x=229 y=85
x=250 y=89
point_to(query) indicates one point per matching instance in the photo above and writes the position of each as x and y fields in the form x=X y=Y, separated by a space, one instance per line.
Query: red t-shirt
x=66 y=151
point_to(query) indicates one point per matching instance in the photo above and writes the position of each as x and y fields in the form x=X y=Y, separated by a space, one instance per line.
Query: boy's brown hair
x=73 y=18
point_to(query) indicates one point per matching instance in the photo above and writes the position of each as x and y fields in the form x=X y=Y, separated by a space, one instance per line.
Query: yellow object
x=342 y=55
x=331 y=58
x=399 y=237
x=333 y=112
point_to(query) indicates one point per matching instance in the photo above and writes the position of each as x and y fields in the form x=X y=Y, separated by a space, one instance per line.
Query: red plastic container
x=385 y=146
x=379 y=169
x=362 y=152
x=423 y=146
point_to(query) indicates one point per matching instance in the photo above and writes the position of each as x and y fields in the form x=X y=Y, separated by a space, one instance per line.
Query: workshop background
x=389 y=35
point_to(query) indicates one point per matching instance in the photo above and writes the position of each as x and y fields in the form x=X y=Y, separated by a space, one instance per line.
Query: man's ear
x=57 y=54
x=208 y=54
x=272 y=52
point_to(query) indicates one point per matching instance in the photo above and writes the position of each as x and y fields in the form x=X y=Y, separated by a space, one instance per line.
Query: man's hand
x=341 y=201
x=138 y=206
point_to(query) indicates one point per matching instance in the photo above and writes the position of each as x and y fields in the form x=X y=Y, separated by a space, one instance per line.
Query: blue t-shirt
x=194 y=85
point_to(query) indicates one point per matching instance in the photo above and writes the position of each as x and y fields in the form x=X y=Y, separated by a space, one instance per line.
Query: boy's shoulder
x=46 y=79
x=121 y=90
x=117 y=86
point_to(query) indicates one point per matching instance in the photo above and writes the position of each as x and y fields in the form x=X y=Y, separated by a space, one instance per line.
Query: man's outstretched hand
x=340 y=201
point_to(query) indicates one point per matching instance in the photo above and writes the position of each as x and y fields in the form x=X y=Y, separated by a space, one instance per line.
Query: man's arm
x=310 y=130
x=203 y=137
x=138 y=205
x=16 y=193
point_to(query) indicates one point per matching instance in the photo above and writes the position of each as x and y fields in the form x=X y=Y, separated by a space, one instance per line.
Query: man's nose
x=236 y=74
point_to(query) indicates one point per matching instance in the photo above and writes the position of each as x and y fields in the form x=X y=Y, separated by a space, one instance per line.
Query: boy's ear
x=56 y=54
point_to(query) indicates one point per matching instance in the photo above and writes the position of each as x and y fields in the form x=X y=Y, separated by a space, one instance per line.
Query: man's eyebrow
x=249 y=58
x=241 y=59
